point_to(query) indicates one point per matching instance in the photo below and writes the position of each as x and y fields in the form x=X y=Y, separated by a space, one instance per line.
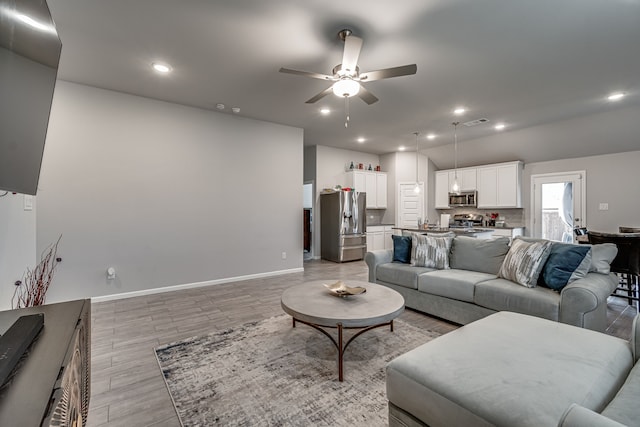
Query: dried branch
x=33 y=289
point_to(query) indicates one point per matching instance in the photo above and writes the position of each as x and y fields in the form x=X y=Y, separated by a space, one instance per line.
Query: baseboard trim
x=172 y=288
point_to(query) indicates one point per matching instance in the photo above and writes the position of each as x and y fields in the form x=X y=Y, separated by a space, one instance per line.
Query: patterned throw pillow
x=431 y=251
x=401 y=248
x=524 y=261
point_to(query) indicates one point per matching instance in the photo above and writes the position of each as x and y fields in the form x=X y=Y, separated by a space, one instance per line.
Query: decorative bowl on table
x=340 y=289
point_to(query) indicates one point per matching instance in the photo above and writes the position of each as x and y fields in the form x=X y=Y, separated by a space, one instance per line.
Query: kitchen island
x=478 y=233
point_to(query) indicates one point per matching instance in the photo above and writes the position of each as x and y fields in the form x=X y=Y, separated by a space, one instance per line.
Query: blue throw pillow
x=565 y=264
x=402 y=248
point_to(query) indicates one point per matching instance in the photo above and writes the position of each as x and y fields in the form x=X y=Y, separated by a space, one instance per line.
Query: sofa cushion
x=431 y=251
x=401 y=248
x=524 y=261
x=483 y=255
x=566 y=263
x=624 y=407
x=400 y=274
x=508 y=370
x=454 y=284
x=504 y=295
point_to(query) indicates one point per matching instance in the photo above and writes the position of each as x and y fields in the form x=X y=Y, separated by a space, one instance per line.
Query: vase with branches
x=32 y=290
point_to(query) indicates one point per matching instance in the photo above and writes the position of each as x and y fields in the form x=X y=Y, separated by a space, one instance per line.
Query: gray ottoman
x=507 y=369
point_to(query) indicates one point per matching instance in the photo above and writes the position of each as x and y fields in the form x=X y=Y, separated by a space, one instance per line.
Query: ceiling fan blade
x=404 y=70
x=307 y=74
x=352 y=46
x=367 y=96
x=321 y=95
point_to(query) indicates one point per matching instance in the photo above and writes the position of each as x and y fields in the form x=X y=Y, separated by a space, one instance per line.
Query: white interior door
x=410 y=205
x=558 y=205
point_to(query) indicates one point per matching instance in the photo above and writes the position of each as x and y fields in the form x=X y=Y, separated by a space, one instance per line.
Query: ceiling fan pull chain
x=346 y=108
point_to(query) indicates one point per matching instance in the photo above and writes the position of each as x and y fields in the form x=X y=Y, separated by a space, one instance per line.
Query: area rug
x=270 y=374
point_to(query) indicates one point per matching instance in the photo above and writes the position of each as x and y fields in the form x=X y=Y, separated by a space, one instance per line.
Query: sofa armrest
x=375 y=258
x=579 y=416
x=635 y=338
x=583 y=302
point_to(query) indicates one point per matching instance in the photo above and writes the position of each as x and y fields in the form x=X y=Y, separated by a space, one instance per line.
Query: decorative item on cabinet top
x=353 y=166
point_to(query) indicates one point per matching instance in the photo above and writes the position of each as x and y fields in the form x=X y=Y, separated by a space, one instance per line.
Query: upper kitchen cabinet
x=442 y=190
x=444 y=181
x=466 y=179
x=372 y=183
x=499 y=186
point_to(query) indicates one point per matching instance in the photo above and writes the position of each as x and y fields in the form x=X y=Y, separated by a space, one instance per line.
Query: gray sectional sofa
x=471 y=288
x=510 y=369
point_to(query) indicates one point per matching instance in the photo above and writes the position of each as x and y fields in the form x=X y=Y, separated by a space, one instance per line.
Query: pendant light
x=455 y=187
x=416 y=189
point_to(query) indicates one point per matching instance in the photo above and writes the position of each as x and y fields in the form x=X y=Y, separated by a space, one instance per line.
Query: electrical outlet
x=284 y=255
x=603 y=206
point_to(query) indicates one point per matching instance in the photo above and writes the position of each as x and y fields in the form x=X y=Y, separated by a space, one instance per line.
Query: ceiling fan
x=347 y=77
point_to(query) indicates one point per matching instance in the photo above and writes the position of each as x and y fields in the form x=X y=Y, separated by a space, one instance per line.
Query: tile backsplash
x=374 y=216
x=512 y=217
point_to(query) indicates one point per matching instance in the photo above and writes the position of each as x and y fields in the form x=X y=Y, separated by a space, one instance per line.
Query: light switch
x=604 y=206
x=28 y=202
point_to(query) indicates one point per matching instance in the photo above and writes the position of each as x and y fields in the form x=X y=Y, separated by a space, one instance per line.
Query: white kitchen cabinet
x=499 y=186
x=442 y=190
x=388 y=240
x=508 y=232
x=381 y=190
x=375 y=238
x=466 y=179
x=372 y=183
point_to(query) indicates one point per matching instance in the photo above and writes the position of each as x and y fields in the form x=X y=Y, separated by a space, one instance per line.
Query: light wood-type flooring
x=127 y=388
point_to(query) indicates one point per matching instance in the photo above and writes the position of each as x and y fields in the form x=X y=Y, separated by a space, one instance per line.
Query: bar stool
x=626 y=263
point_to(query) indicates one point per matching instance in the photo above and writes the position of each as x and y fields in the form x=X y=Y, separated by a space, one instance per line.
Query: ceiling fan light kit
x=347 y=77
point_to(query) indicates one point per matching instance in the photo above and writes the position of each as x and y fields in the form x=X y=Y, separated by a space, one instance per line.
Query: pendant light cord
x=417 y=180
x=455 y=148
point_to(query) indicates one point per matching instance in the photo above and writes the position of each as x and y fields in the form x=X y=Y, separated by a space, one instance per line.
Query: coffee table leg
x=339 y=342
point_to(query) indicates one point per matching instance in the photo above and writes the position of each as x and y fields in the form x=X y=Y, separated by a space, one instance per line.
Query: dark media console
x=50 y=385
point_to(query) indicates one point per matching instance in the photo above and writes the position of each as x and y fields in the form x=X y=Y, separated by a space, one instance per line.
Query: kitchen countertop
x=505 y=227
x=462 y=231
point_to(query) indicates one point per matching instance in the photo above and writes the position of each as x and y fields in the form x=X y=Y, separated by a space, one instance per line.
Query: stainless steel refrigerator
x=342 y=226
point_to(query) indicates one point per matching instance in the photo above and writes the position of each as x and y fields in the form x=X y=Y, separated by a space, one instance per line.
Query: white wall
x=611 y=178
x=17 y=243
x=165 y=194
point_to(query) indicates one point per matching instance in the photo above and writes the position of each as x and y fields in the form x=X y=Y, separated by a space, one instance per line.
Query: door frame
x=581 y=176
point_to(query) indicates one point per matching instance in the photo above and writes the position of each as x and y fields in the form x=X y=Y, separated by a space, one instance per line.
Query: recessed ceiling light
x=325 y=111
x=361 y=139
x=220 y=106
x=431 y=136
x=615 y=96
x=235 y=110
x=499 y=126
x=401 y=148
x=459 y=111
x=161 y=68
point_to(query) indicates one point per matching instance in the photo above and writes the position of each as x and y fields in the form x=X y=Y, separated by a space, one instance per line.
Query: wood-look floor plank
x=127 y=385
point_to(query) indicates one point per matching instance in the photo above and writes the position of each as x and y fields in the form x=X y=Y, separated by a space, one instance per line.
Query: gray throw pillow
x=602 y=256
x=431 y=251
x=482 y=255
x=524 y=261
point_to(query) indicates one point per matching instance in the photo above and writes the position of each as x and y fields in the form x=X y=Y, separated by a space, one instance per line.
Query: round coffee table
x=313 y=305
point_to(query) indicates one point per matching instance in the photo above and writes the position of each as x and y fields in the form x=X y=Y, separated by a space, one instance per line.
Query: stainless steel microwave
x=465 y=198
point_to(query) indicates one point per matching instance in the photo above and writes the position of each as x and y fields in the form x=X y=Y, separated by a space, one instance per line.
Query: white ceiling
x=526 y=63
